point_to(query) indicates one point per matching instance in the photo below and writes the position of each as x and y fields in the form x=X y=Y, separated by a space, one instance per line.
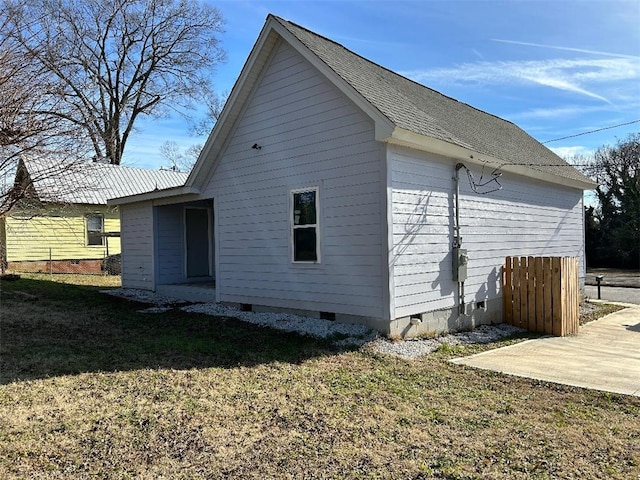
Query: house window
x=305 y=234
x=95 y=229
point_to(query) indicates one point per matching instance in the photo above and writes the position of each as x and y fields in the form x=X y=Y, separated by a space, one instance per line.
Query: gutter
x=413 y=140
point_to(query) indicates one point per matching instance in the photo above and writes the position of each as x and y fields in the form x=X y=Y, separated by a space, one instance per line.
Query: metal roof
x=84 y=182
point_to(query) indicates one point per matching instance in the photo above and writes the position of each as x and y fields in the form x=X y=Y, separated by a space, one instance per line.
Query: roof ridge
x=88 y=163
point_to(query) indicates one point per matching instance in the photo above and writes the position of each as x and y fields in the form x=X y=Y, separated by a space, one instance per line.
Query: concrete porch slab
x=605 y=355
x=191 y=292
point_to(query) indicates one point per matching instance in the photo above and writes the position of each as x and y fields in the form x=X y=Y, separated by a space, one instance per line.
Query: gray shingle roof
x=419 y=109
x=84 y=182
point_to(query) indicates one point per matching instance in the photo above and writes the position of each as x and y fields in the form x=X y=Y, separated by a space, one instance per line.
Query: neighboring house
x=328 y=187
x=63 y=225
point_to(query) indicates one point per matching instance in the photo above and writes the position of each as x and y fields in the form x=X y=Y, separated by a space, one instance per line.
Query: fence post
x=573 y=298
x=516 y=291
x=548 y=291
x=539 y=276
x=556 y=297
x=507 y=290
x=50 y=263
x=531 y=294
x=524 y=311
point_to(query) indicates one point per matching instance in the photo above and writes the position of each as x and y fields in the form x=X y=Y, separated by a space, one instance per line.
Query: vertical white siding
x=310 y=136
x=525 y=218
x=137 y=240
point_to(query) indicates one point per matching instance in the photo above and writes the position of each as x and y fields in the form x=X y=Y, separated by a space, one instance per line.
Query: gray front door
x=198 y=242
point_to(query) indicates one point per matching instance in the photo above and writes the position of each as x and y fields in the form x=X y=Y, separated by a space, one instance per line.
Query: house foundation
x=428 y=324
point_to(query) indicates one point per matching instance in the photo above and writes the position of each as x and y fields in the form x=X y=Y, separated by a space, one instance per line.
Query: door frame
x=209 y=240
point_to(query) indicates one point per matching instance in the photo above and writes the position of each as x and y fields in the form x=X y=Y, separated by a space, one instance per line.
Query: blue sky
x=554 y=68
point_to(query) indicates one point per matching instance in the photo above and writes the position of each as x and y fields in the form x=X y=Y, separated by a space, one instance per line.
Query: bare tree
x=109 y=63
x=26 y=130
x=179 y=159
x=214 y=104
x=182 y=160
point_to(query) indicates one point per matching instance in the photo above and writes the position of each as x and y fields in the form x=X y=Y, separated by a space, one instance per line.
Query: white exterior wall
x=137 y=241
x=525 y=218
x=310 y=136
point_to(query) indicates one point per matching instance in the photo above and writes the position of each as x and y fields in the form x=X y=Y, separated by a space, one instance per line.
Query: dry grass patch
x=92 y=388
x=103 y=281
x=593 y=311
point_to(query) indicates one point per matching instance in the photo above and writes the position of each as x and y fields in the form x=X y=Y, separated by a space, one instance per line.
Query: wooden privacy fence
x=541 y=294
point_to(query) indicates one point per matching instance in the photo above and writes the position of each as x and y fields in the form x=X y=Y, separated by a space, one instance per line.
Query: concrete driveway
x=605 y=355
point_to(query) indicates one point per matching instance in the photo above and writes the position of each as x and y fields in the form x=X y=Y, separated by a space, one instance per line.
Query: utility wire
x=592 y=131
x=510 y=164
x=477 y=185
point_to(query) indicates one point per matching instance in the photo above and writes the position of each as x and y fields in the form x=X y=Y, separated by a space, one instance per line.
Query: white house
x=335 y=187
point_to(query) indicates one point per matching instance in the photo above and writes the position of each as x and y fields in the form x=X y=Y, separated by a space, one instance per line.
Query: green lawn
x=90 y=387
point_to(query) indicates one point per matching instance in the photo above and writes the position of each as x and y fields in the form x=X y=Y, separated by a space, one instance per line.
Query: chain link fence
x=55 y=260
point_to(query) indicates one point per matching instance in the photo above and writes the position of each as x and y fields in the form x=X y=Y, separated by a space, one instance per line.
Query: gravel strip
x=341 y=334
x=414 y=348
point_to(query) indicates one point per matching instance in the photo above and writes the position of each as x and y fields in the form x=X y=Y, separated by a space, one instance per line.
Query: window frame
x=293 y=226
x=87 y=231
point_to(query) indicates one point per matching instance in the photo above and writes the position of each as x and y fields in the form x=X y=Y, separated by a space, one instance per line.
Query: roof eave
x=414 y=140
x=154 y=195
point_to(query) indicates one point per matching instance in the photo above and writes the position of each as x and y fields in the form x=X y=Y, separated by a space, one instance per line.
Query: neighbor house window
x=304 y=224
x=95 y=229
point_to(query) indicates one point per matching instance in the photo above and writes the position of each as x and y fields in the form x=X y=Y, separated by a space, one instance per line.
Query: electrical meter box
x=460 y=260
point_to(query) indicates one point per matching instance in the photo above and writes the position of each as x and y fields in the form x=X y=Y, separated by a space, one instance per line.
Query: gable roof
x=405 y=112
x=421 y=110
x=85 y=182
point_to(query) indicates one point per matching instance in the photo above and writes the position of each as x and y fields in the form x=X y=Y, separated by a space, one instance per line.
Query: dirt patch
x=24 y=296
x=593 y=311
x=9 y=277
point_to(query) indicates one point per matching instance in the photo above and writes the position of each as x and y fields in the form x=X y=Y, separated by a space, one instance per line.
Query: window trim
x=86 y=230
x=293 y=227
